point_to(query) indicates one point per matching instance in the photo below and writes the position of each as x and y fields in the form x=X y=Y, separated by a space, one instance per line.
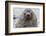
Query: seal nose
x=28 y=15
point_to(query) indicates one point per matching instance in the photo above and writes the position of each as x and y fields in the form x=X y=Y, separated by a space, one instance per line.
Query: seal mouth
x=28 y=18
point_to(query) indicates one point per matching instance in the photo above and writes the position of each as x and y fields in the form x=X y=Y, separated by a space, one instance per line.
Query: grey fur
x=23 y=22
